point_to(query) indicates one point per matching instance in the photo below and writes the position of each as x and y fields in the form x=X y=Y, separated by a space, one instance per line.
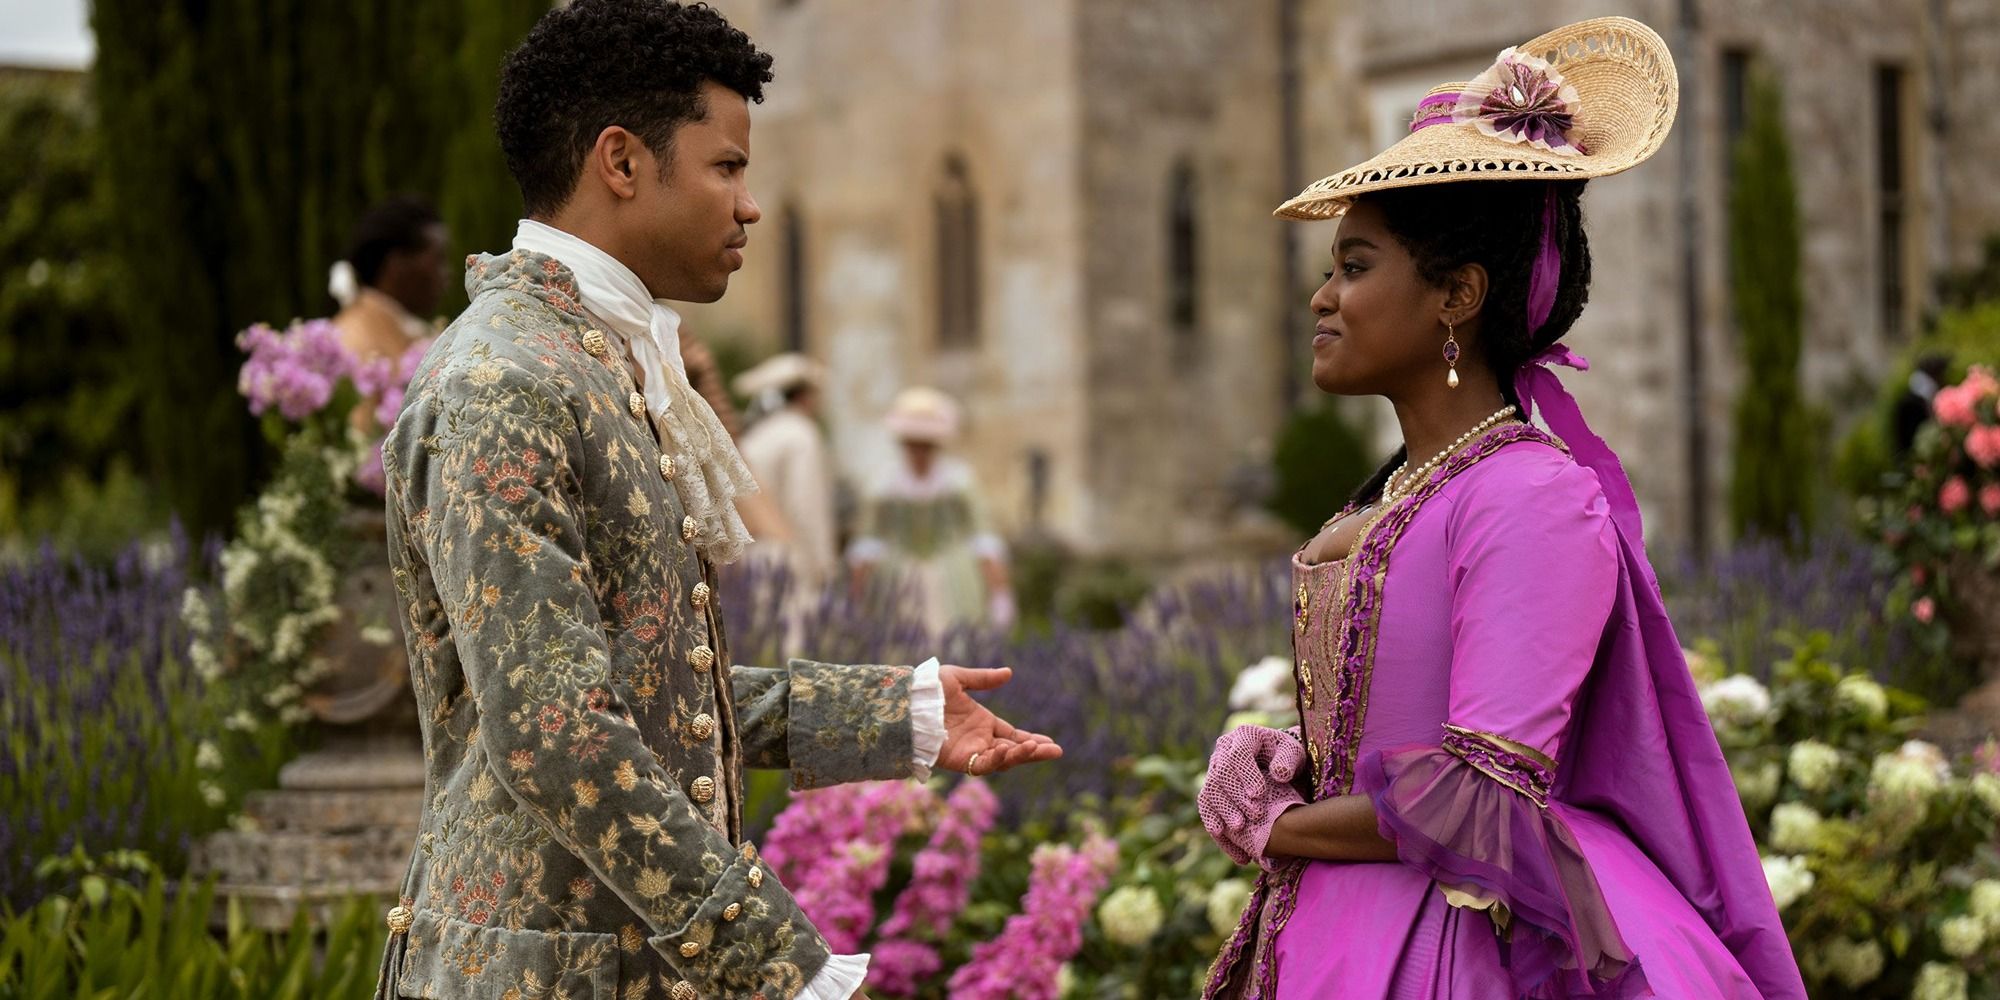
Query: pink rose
x=1953 y=406
x=1954 y=496
x=1925 y=609
x=1983 y=444
x=1989 y=499
x=1979 y=381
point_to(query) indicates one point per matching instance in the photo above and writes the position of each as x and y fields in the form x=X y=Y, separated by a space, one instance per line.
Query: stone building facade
x=1058 y=210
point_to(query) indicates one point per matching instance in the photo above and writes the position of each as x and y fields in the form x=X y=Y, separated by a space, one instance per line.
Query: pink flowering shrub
x=1940 y=517
x=837 y=848
x=302 y=381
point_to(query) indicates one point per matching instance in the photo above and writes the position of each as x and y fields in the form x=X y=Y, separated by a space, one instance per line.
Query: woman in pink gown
x=1505 y=785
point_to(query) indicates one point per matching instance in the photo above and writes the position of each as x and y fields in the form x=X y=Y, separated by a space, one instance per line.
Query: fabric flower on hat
x=1521 y=98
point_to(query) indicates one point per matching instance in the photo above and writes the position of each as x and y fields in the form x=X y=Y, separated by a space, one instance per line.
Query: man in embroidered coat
x=558 y=497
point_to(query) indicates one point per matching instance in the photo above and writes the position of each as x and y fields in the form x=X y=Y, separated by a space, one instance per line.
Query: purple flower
x=942 y=874
x=296 y=371
x=900 y=968
x=1024 y=961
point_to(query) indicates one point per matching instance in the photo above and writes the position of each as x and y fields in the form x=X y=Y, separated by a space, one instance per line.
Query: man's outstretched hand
x=971 y=731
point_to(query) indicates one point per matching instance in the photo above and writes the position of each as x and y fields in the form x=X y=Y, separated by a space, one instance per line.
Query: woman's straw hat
x=923 y=415
x=1586 y=100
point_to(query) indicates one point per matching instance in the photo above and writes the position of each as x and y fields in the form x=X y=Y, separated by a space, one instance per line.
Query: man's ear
x=615 y=160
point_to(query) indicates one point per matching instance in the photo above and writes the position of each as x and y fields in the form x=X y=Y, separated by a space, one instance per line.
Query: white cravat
x=689 y=429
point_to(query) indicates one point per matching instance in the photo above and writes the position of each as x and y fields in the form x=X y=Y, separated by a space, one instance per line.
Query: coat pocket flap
x=447 y=957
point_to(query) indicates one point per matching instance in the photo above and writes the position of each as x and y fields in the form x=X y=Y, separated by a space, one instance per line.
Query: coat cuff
x=748 y=936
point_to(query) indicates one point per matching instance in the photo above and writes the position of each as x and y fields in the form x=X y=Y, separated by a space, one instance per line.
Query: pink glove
x=1249 y=786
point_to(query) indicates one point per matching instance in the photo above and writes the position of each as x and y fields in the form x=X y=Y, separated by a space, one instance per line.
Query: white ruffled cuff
x=987 y=545
x=867 y=550
x=926 y=717
x=838 y=979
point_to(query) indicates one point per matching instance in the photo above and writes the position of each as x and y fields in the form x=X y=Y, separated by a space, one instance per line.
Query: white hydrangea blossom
x=1225 y=904
x=1794 y=827
x=1986 y=788
x=1264 y=686
x=1736 y=700
x=1131 y=915
x=1789 y=879
x=1813 y=765
x=1757 y=786
x=1961 y=936
x=1984 y=903
x=1861 y=693
x=1913 y=773
x=1854 y=963
x=1939 y=981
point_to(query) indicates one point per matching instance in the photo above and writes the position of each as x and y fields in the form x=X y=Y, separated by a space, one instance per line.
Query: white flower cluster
x=1909 y=776
x=1794 y=827
x=1264 y=686
x=1860 y=693
x=1938 y=981
x=1813 y=765
x=1225 y=904
x=1738 y=700
x=277 y=624
x=1986 y=788
x=1854 y=963
x=1789 y=878
x=1131 y=915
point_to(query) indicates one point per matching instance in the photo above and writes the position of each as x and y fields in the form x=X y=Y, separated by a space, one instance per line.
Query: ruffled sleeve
x=1534 y=573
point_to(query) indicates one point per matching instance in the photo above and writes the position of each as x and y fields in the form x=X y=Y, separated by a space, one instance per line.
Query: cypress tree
x=1772 y=483
x=242 y=140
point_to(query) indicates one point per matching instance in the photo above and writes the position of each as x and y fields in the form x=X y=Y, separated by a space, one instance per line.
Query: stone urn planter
x=342 y=821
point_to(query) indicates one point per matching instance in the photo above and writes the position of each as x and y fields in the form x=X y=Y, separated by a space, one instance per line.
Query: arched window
x=957 y=257
x=1183 y=256
x=792 y=233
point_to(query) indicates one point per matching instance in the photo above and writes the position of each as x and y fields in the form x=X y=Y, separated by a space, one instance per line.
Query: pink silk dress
x=1489 y=665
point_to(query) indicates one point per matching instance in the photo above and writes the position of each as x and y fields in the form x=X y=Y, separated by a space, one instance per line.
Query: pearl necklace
x=1390 y=491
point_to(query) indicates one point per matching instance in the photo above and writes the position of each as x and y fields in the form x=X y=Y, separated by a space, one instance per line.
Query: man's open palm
x=970 y=730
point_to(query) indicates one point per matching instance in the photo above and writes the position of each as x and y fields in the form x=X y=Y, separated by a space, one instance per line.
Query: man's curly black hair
x=592 y=64
x=1498 y=225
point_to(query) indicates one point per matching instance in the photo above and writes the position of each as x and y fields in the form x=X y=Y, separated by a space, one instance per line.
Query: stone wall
x=1076 y=116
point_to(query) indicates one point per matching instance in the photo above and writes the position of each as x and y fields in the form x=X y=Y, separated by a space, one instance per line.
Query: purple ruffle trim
x=1525 y=774
x=1469 y=832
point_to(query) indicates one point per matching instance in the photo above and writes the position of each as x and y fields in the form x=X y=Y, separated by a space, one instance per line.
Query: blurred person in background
x=924 y=526
x=788 y=454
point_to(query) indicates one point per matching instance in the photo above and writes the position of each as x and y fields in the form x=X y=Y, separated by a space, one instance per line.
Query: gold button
x=688 y=525
x=701 y=657
x=756 y=877
x=666 y=466
x=636 y=403
x=690 y=949
x=703 y=726
x=732 y=911
x=699 y=595
x=684 y=990
x=749 y=852
x=400 y=919
x=593 y=341
x=703 y=789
